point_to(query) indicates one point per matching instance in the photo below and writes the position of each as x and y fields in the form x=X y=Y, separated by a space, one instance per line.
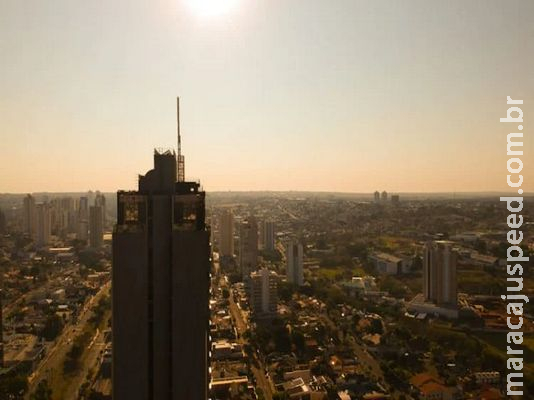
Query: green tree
x=13 y=387
x=43 y=391
x=52 y=328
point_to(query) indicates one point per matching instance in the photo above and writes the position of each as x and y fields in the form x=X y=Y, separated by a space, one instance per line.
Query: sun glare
x=212 y=8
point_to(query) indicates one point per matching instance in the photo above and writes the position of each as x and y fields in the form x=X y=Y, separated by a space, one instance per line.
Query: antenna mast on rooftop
x=180 y=161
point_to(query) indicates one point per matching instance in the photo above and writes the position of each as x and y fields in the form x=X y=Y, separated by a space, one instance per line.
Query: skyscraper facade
x=161 y=276
x=377 y=196
x=439 y=273
x=43 y=224
x=268 y=235
x=29 y=216
x=100 y=201
x=294 y=260
x=264 y=293
x=83 y=219
x=226 y=234
x=96 y=226
x=248 y=247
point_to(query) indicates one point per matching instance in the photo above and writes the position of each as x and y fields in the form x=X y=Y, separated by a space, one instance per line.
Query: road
x=262 y=382
x=51 y=367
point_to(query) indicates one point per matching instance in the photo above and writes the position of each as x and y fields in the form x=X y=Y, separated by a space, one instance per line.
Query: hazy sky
x=341 y=95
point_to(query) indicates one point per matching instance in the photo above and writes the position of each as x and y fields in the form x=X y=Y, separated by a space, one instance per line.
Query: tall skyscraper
x=226 y=234
x=29 y=216
x=43 y=225
x=83 y=208
x=83 y=219
x=100 y=201
x=161 y=277
x=264 y=293
x=268 y=235
x=96 y=227
x=248 y=247
x=439 y=273
x=384 y=196
x=377 y=196
x=294 y=260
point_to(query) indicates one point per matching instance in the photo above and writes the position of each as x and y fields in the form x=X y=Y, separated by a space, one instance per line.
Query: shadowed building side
x=161 y=266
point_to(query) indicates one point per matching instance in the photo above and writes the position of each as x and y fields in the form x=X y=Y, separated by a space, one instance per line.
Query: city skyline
x=414 y=110
x=354 y=220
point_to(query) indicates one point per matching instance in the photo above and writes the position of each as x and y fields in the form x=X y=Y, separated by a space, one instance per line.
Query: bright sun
x=212 y=8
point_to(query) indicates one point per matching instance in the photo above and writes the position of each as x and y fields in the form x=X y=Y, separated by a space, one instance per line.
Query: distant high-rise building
x=268 y=235
x=96 y=227
x=248 y=247
x=29 y=216
x=439 y=273
x=83 y=208
x=44 y=224
x=395 y=199
x=377 y=196
x=83 y=231
x=161 y=278
x=68 y=215
x=100 y=201
x=226 y=234
x=294 y=260
x=384 y=196
x=263 y=293
x=83 y=219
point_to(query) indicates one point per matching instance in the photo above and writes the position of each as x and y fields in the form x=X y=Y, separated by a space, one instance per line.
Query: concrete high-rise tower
x=226 y=234
x=29 y=216
x=268 y=235
x=248 y=247
x=43 y=224
x=439 y=273
x=377 y=196
x=264 y=293
x=161 y=278
x=96 y=227
x=83 y=219
x=100 y=201
x=294 y=260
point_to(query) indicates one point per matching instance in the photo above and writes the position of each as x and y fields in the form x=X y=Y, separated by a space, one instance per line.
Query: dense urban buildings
x=362 y=299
